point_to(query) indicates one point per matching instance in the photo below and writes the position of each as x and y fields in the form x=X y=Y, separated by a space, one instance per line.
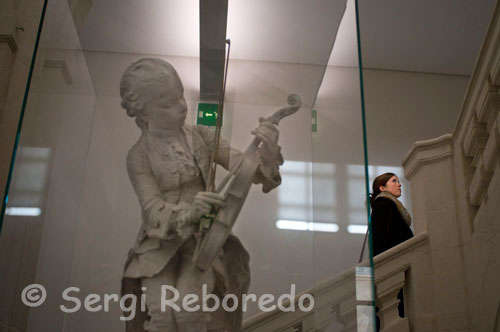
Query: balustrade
x=340 y=299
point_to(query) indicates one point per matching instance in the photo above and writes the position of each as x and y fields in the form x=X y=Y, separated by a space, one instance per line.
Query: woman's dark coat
x=388 y=227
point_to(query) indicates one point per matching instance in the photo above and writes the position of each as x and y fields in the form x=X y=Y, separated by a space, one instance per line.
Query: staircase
x=450 y=271
x=345 y=297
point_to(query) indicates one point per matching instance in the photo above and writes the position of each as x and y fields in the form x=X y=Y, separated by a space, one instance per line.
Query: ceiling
x=437 y=36
x=424 y=36
x=294 y=31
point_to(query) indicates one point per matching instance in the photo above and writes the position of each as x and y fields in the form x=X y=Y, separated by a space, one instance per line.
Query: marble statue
x=168 y=168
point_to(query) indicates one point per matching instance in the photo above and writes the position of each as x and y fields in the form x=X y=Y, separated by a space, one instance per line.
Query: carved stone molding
x=8 y=24
x=60 y=64
x=495 y=66
x=491 y=149
x=10 y=40
x=498 y=123
x=387 y=301
x=479 y=183
x=346 y=314
x=484 y=80
x=475 y=139
x=427 y=152
x=488 y=103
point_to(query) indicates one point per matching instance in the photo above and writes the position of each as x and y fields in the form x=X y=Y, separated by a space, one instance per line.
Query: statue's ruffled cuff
x=156 y=219
x=268 y=172
x=166 y=221
x=183 y=225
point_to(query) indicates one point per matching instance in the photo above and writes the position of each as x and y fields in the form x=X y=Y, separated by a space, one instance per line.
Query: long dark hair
x=379 y=181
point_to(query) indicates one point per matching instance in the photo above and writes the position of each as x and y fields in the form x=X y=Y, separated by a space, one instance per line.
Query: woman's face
x=168 y=109
x=392 y=186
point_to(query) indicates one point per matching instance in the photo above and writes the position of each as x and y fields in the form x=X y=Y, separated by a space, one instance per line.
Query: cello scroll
x=241 y=176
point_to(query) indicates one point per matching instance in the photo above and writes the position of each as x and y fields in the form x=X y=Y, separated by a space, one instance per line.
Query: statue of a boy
x=168 y=168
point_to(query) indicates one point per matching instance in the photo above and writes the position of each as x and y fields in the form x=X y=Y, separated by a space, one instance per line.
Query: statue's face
x=167 y=108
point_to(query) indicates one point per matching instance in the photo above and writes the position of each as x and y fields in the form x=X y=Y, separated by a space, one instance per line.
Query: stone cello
x=216 y=228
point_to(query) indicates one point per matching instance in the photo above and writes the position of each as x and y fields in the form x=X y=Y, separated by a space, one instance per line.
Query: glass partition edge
x=21 y=116
x=365 y=147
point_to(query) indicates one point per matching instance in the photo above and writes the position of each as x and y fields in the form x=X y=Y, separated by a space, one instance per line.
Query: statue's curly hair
x=139 y=82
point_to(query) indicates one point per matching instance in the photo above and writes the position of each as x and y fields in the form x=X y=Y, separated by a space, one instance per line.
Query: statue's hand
x=268 y=134
x=203 y=203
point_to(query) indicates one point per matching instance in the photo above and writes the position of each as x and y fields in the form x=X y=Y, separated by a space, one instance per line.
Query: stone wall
x=477 y=174
x=456 y=200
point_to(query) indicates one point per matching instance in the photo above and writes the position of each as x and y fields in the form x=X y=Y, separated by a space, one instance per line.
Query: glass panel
x=339 y=189
x=98 y=182
x=42 y=216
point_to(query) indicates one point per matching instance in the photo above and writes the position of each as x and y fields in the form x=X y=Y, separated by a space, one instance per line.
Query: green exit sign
x=314 y=121
x=207 y=114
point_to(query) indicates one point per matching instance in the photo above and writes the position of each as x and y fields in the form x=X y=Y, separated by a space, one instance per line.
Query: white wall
x=404 y=107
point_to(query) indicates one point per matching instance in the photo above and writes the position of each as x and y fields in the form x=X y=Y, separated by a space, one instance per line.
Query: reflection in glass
x=29 y=181
x=307 y=226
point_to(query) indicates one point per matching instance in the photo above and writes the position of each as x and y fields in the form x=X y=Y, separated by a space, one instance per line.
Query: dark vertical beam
x=213 y=24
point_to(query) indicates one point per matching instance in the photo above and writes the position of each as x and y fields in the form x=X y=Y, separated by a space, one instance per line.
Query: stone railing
x=345 y=298
x=335 y=294
x=401 y=267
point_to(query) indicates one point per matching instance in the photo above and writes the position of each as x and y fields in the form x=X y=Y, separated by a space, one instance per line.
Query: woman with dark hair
x=390 y=220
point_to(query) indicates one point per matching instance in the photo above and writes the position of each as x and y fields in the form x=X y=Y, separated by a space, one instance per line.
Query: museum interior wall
x=71 y=162
x=454 y=184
